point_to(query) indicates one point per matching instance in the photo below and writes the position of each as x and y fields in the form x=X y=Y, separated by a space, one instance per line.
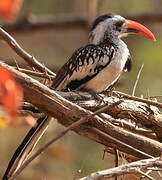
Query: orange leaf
x=11 y=95
x=10 y=8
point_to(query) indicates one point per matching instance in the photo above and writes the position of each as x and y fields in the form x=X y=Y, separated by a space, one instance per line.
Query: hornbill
x=94 y=67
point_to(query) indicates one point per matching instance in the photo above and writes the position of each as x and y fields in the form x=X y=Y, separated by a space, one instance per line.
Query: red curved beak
x=139 y=29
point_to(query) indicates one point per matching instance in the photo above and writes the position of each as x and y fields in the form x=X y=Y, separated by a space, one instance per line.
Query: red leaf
x=10 y=8
x=11 y=94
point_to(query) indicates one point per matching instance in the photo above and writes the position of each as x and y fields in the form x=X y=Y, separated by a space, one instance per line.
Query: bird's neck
x=106 y=39
x=112 y=41
x=111 y=38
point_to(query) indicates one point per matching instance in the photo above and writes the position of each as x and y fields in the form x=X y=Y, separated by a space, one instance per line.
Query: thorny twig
x=137 y=79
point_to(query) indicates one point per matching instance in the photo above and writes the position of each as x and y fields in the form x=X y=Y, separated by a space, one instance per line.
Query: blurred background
x=73 y=155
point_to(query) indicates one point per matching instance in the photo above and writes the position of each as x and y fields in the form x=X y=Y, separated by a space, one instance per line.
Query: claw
x=99 y=98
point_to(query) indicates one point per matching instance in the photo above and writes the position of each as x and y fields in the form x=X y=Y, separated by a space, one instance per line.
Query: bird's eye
x=119 y=23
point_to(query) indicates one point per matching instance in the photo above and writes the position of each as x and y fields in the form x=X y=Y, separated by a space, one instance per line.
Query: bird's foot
x=99 y=98
x=109 y=92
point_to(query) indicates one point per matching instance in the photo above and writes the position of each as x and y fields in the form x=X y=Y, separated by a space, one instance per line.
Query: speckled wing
x=84 y=64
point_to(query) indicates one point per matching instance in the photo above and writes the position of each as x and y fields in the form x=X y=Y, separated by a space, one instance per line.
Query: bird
x=98 y=65
x=94 y=67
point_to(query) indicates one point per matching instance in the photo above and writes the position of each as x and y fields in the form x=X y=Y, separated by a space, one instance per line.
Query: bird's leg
x=110 y=92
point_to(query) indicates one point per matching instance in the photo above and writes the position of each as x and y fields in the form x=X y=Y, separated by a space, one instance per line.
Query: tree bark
x=98 y=129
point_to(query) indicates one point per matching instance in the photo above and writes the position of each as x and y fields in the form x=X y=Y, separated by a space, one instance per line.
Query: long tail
x=27 y=145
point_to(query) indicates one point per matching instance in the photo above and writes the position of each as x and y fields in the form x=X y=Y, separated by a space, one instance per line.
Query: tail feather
x=27 y=145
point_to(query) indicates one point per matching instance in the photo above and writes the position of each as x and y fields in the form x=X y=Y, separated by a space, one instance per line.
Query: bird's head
x=111 y=27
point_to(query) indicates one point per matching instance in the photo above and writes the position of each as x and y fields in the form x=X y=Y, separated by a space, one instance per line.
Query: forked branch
x=134 y=167
x=50 y=102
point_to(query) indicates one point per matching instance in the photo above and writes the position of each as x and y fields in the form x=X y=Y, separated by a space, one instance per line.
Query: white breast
x=111 y=73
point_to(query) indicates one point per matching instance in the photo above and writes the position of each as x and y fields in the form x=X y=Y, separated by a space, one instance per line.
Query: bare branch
x=134 y=167
x=132 y=127
x=133 y=111
x=70 y=127
x=32 y=61
x=68 y=113
x=106 y=136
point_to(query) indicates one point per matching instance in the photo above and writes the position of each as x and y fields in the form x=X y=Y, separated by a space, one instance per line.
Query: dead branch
x=72 y=127
x=128 y=125
x=35 y=23
x=54 y=139
x=134 y=167
x=67 y=113
x=133 y=111
x=31 y=60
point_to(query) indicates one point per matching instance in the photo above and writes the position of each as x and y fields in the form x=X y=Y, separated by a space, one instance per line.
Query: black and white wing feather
x=84 y=65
